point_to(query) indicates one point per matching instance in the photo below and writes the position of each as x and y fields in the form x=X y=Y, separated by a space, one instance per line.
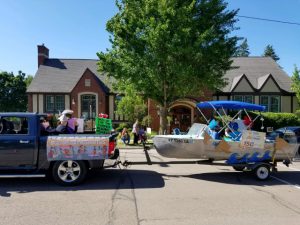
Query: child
x=125 y=136
x=142 y=135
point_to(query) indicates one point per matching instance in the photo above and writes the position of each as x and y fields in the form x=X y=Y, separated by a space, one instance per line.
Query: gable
x=257 y=71
x=243 y=86
x=270 y=86
x=89 y=82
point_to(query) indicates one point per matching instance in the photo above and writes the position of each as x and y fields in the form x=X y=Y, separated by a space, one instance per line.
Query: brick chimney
x=43 y=54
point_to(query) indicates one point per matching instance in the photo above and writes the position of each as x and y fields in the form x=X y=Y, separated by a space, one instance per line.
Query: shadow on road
x=246 y=178
x=97 y=180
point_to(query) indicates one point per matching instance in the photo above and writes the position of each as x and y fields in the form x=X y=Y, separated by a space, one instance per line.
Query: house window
x=87 y=82
x=243 y=98
x=271 y=103
x=55 y=103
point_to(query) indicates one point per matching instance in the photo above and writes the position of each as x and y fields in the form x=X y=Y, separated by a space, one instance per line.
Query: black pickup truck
x=24 y=152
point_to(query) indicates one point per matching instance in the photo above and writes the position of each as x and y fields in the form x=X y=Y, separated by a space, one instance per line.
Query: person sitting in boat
x=213 y=129
x=248 y=122
x=232 y=132
x=240 y=124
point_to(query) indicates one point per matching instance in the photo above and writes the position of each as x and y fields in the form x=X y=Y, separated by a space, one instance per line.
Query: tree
x=296 y=83
x=13 y=92
x=170 y=49
x=243 y=49
x=131 y=105
x=270 y=52
x=28 y=80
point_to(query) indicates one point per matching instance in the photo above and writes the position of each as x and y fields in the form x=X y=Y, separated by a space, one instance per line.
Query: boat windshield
x=197 y=129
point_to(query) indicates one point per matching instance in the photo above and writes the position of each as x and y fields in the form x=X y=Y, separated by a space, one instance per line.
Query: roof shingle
x=257 y=70
x=61 y=75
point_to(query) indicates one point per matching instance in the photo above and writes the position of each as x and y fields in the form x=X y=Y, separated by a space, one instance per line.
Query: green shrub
x=275 y=120
x=147 y=120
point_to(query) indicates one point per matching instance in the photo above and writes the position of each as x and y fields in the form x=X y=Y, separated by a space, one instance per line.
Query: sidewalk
x=130 y=146
x=121 y=145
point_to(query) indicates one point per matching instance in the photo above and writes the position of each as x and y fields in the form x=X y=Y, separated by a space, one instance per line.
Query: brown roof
x=257 y=70
x=61 y=75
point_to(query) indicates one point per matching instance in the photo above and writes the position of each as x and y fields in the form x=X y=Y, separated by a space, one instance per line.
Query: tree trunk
x=163 y=119
x=163 y=111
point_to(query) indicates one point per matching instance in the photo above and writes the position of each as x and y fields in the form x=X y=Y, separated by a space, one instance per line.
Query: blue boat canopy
x=230 y=105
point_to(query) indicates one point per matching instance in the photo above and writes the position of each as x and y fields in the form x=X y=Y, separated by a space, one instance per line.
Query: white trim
x=41 y=103
x=43 y=54
x=111 y=106
x=79 y=101
x=67 y=102
x=34 y=102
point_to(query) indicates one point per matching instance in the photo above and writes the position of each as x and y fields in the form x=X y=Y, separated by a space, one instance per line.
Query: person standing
x=135 y=131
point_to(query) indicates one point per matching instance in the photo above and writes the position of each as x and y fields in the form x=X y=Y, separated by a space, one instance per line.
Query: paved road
x=157 y=194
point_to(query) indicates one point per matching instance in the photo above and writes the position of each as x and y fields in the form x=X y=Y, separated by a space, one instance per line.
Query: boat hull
x=191 y=147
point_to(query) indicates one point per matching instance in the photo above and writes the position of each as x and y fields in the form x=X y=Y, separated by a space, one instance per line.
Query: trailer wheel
x=262 y=172
x=69 y=172
x=238 y=168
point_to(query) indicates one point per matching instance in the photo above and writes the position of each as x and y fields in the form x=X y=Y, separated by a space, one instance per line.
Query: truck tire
x=69 y=172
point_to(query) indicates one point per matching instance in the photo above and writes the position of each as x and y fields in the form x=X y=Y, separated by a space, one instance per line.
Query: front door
x=17 y=145
x=88 y=110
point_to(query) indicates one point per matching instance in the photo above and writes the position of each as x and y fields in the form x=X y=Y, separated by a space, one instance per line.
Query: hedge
x=275 y=120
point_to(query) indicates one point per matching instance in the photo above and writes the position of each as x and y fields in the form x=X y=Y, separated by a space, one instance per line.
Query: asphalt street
x=156 y=194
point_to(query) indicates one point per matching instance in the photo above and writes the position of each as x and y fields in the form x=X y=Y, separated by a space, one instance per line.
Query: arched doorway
x=180 y=118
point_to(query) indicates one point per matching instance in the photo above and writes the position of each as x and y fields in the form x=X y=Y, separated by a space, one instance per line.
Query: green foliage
x=147 y=120
x=121 y=126
x=28 y=80
x=270 y=52
x=296 y=83
x=170 y=49
x=276 y=120
x=225 y=119
x=297 y=113
x=243 y=49
x=13 y=96
x=131 y=105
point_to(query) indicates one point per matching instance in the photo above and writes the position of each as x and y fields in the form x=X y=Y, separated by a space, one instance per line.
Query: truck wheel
x=262 y=172
x=238 y=168
x=69 y=172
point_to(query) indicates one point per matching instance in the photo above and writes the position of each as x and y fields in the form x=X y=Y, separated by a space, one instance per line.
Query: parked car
x=289 y=134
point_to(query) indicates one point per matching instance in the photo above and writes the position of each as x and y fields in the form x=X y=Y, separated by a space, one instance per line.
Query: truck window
x=13 y=125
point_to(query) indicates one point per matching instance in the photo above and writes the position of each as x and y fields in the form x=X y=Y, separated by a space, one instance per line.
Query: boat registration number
x=176 y=140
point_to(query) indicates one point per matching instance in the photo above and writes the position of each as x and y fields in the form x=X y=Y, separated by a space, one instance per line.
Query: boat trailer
x=261 y=170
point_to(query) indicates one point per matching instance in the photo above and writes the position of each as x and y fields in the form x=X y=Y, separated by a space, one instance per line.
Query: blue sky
x=76 y=29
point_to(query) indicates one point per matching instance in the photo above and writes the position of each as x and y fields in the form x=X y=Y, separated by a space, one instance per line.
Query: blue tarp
x=230 y=105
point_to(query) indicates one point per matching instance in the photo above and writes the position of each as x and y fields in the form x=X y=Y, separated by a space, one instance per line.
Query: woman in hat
x=68 y=124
